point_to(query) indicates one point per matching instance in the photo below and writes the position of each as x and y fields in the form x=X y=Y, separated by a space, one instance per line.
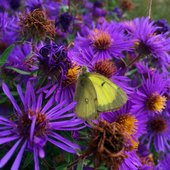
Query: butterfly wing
x=109 y=95
x=86 y=98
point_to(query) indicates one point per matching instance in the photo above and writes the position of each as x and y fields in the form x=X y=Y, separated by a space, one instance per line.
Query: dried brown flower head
x=36 y=25
x=108 y=144
x=126 y=5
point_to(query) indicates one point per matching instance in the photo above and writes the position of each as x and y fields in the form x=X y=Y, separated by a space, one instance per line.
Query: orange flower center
x=101 y=39
x=105 y=67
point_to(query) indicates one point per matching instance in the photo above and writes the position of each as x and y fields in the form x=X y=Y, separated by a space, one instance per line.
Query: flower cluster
x=44 y=44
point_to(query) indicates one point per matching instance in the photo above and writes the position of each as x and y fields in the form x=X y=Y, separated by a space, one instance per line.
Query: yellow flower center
x=72 y=75
x=128 y=122
x=156 y=103
x=101 y=39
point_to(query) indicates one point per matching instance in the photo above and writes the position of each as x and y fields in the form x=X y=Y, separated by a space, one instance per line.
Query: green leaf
x=5 y=54
x=131 y=72
x=3 y=100
x=61 y=167
x=68 y=157
x=64 y=8
x=19 y=71
x=28 y=160
x=80 y=165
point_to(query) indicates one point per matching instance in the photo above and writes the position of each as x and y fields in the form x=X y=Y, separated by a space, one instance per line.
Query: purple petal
x=67 y=123
x=8 y=139
x=70 y=115
x=5 y=128
x=62 y=146
x=9 y=95
x=64 y=110
x=56 y=108
x=70 y=129
x=36 y=163
x=39 y=102
x=41 y=153
x=19 y=89
x=32 y=128
x=8 y=155
x=4 y=119
x=5 y=133
x=60 y=138
x=41 y=90
x=33 y=98
x=50 y=91
x=48 y=104
x=28 y=95
x=17 y=161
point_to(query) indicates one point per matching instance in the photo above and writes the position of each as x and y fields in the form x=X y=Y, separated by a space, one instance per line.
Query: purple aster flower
x=162 y=26
x=142 y=30
x=158 y=132
x=66 y=90
x=64 y=20
x=150 y=97
x=60 y=70
x=163 y=163
x=96 y=8
x=35 y=124
x=53 y=62
x=133 y=123
x=105 y=41
x=118 y=12
x=17 y=59
x=9 y=30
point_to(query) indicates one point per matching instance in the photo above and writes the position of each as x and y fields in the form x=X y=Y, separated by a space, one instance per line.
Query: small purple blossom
x=142 y=30
x=105 y=42
x=34 y=124
x=150 y=97
x=53 y=62
x=158 y=132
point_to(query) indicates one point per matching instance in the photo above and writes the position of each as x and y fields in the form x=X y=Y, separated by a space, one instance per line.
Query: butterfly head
x=84 y=70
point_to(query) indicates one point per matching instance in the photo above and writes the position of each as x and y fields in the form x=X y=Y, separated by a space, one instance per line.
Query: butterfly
x=95 y=93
